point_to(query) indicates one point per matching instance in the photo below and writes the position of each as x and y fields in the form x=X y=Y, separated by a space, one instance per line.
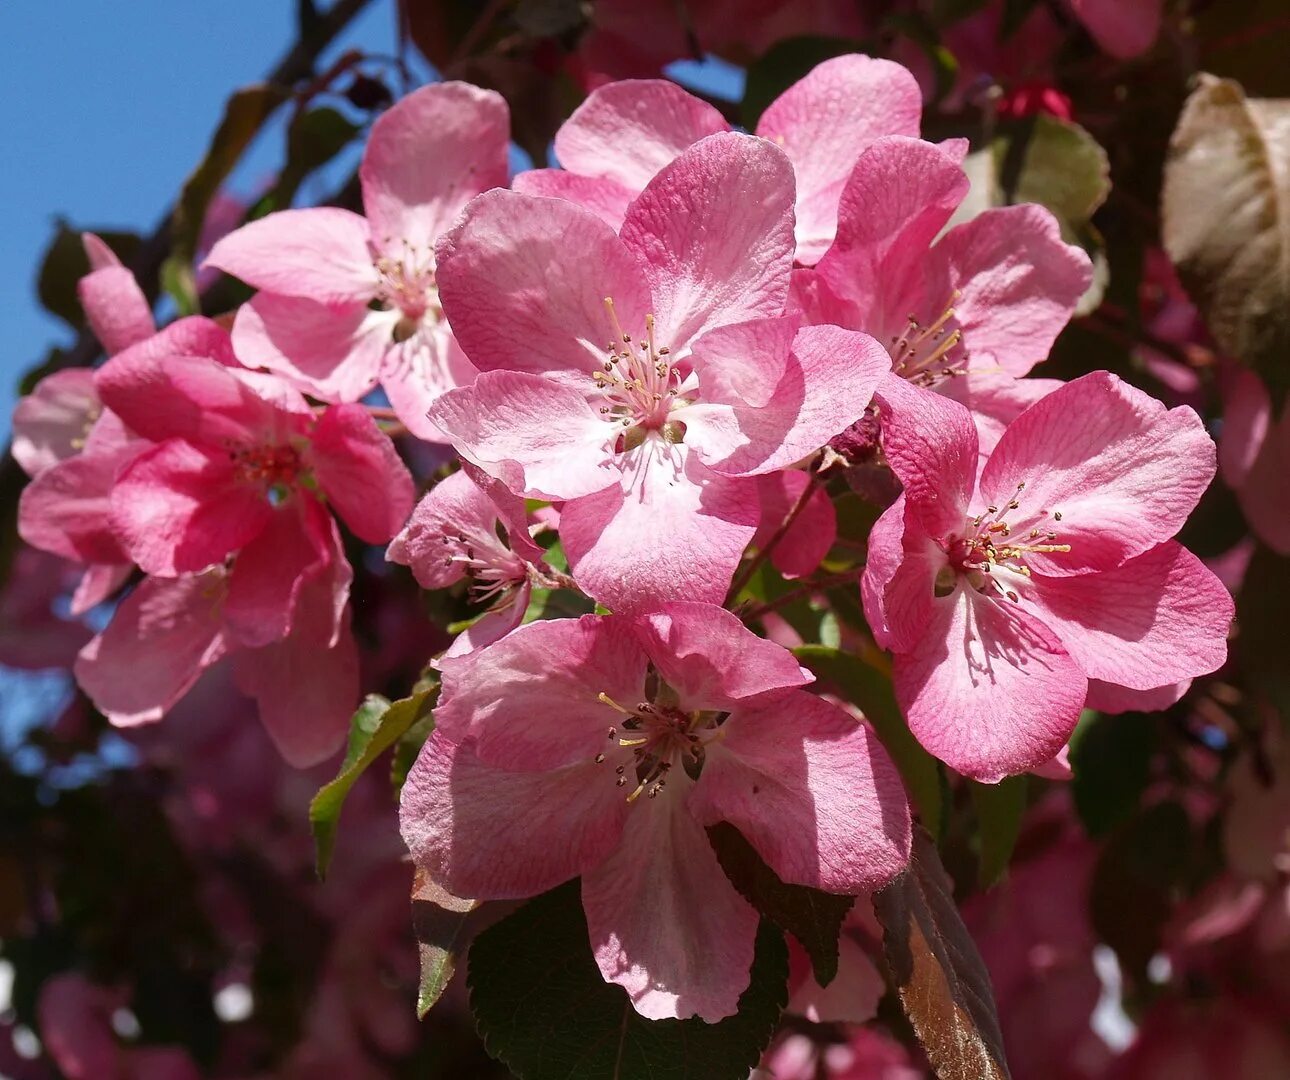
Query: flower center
x=640 y=385
x=277 y=469
x=925 y=355
x=493 y=568
x=652 y=739
x=990 y=558
x=407 y=284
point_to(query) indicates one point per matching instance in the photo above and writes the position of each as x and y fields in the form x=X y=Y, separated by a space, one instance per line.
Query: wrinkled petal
x=417 y=372
x=1121 y=469
x=531 y=701
x=162 y=637
x=990 y=691
x=995 y=400
x=606 y=198
x=675 y=532
x=51 y=423
x=65 y=510
x=714 y=233
x=812 y=790
x=491 y=834
x=824 y=121
x=803 y=547
x=882 y=560
x=361 y=473
x=426 y=157
x=711 y=659
x=1159 y=618
x=320 y=253
x=665 y=923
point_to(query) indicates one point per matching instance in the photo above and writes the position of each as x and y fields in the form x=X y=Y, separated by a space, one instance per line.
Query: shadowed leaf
x=998 y=810
x=444 y=926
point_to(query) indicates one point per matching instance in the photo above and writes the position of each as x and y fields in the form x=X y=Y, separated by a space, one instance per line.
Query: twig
x=805 y=589
x=746 y=576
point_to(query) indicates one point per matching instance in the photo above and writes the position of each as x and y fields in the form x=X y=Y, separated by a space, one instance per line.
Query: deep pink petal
x=995 y=400
x=65 y=509
x=665 y=923
x=491 y=834
x=989 y=690
x=744 y=363
x=417 y=372
x=493 y=625
x=320 y=253
x=1013 y=284
x=426 y=157
x=1159 y=618
x=523 y=281
x=808 y=540
x=1121 y=28
x=711 y=659
x=676 y=532
x=931 y=445
x=824 y=121
x=828 y=383
x=193 y=335
x=1121 y=469
x=333 y=353
x=812 y=790
x=714 y=232
x=629 y=130
x=118 y=312
x=1109 y=698
x=531 y=701
x=361 y=473
x=162 y=637
x=97 y=584
x=51 y=422
x=180 y=508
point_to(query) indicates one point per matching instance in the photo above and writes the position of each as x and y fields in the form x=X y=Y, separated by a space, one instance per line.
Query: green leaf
x=545 y=1011
x=180 y=283
x=782 y=65
x=372 y=730
x=444 y=926
x=313 y=139
x=810 y=915
x=998 y=811
x=871 y=693
x=1110 y=758
x=406 y=750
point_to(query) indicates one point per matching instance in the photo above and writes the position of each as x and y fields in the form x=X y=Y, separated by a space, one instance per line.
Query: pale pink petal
x=417 y=372
x=989 y=690
x=1264 y=493
x=665 y=923
x=333 y=353
x=1109 y=698
x=531 y=701
x=995 y=400
x=1122 y=28
x=179 y=508
x=606 y=198
x=883 y=557
x=320 y=253
x=523 y=282
x=118 y=312
x=828 y=383
x=812 y=790
x=1012 y=282
x=361 y=473
x=1159 y=618
x=931 y=445
x=1058 y=767
x=97 y=251
x=1121 y=469
x=65 y=509
x=677 y=532
x=744 y=363
x=808 y=540
x=851 y=998
x=824 y=121
x=487 y=833
x=534 y=434
x=910 y=595
x=492 y=625
x=97 y=584
x=714 y=232
x=306 y=685
x=426 y=157
x=1247 y=417
x=456 y=506
x=162 y=637
x=512 y=513
x=51 y=422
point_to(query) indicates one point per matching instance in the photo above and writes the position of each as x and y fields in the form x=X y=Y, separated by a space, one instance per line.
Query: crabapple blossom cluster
x=656 y=367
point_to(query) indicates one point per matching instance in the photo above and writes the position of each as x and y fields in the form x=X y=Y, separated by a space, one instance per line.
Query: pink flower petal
x=65 y=509
x=533 y=433
x=51 y=423
x=1159 y=618
x=711 y=659
x=1122 y=28
x=851 y=998
x=1263 y=492
x=487 y=833
x=162 y=637
x=677 y=532
x=1123 y=472
x=319 y=253
x=882 y=561
x=714 y=232
x=333 y=353
x=417 y=372
x=1109 y=698
x=492 y=625
x=1247 y=417
x=995 y=400
x=664 y=922
x=99 y=582
x=808 y=540
x=361 y=473
x=604 y=197
x=523 y=282
x=426 y=157
x=813 y=791
x=824 y=121
x=118 y=312
x=531 y=701
x=989 y=690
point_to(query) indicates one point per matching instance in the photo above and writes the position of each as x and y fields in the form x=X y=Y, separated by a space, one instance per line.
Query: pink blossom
x=1122 y=28
x=601 y=747
x=118 y=312
x=649 y=440
x=1254 y=453
x=470 y=525
x=1001 y=595
x=52 y=422
x=347 y=302
x=967 y=314
x=822 y=122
